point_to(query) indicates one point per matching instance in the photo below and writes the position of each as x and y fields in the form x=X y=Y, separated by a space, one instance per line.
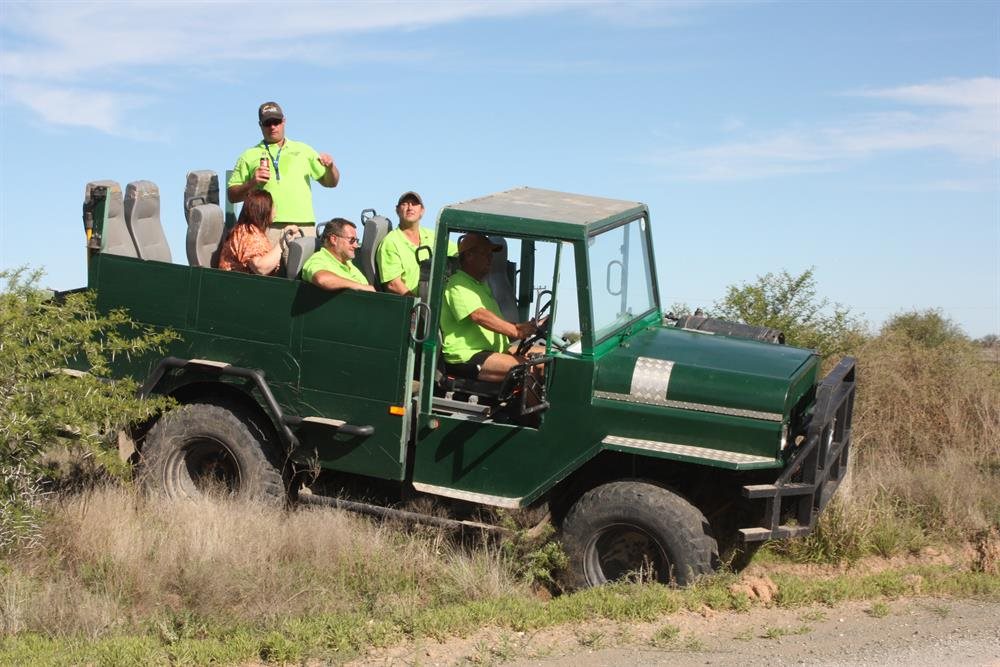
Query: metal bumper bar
x=815 y=470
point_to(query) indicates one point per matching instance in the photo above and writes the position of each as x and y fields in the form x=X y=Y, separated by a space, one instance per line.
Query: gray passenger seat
x=205 y=218
x=206 y=227
x=116 y=239
x=142 y=216
x=375 y=228
x=299 y=250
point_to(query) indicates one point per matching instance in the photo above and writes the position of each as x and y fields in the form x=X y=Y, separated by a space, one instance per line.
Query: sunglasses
x=272 y=122
x=353 y=240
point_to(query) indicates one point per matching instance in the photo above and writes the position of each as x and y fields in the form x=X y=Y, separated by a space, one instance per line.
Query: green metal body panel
x=344 y=356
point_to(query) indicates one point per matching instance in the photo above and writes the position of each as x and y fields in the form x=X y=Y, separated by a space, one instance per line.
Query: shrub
x=40 y=405
x=789 y=303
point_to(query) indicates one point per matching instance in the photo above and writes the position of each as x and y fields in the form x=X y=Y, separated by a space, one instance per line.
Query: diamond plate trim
x=481 y=498
x=686 y=450
x=684 y=405
x=337 y=423
x=650 y=379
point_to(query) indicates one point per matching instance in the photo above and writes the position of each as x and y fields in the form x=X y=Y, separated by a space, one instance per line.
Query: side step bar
x=816 y=469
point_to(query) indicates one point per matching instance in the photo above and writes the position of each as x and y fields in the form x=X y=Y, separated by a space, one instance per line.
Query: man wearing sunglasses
x=331 y=267
x=284 y=168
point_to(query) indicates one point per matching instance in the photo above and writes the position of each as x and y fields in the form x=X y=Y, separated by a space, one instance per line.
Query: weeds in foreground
x=666 y=635
x=879 y=610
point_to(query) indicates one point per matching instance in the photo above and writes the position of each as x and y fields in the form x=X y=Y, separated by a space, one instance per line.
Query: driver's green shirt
x=463 y=295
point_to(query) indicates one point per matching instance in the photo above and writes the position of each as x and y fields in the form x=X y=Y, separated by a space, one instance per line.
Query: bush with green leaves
x=790 y=304
x=43 y=408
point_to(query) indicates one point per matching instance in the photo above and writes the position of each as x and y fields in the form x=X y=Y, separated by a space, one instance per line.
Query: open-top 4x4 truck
x=651 y=447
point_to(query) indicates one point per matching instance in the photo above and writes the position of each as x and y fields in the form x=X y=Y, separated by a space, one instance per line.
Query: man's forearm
x=397 y=286
x=331 y=281
x=238 y=193
x=331 y=177
x=488 y=320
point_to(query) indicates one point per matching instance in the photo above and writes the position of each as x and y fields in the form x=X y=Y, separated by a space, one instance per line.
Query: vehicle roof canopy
x=539 y=213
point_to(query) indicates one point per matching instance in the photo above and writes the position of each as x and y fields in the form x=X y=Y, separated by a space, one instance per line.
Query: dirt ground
x=914 y=631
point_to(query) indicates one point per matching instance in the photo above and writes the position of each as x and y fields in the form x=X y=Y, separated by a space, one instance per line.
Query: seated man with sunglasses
x=331 y=267
x=284 y=168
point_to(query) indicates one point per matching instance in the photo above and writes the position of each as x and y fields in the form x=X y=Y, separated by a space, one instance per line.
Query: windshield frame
x=645 y=316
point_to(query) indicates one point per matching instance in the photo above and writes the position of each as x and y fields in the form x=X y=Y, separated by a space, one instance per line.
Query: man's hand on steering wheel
x=539 y=324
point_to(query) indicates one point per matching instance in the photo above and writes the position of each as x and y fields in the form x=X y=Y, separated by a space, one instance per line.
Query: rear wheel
x=200 y=448
x=636 y=531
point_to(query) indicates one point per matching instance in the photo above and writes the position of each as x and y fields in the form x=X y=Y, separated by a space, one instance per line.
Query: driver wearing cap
x=473 y=329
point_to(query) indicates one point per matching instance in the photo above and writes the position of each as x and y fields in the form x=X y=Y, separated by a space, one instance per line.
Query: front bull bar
x=815 y=470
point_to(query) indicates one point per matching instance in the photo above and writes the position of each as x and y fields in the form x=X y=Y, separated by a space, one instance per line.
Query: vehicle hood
x=698 y=371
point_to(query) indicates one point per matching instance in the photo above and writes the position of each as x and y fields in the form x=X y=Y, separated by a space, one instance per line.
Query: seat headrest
x=202 y=188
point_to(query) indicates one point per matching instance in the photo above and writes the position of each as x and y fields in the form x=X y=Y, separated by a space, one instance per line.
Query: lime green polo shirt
x=296 y=163
x=397 y=257
x=463 y=295
x=323 y=260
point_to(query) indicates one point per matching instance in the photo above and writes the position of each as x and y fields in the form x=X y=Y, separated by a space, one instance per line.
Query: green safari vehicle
x=653 y=448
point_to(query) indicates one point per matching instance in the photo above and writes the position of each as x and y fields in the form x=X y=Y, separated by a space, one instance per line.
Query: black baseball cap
x=269 y=111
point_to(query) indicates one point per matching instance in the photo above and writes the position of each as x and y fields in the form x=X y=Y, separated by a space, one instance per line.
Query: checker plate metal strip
x=686 y=450
x=650 y=379
x=684 y=405
x=482 y=498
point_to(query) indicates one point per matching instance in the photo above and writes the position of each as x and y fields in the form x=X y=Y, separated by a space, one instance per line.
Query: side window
x=566 y=329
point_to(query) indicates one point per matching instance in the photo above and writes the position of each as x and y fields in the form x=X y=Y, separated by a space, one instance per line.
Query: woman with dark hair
x=247 y=248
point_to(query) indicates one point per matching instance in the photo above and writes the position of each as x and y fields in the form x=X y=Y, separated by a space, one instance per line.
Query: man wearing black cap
x=284 y=168
x=472 y=327
x=398 y=267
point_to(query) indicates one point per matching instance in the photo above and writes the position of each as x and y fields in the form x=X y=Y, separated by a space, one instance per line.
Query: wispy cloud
x=60 y=56
x=956 y=116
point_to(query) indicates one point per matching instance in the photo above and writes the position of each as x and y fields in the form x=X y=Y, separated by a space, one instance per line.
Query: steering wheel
x=542 y=332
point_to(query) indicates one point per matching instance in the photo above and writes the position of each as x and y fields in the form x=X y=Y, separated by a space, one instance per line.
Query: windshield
x=622 y=288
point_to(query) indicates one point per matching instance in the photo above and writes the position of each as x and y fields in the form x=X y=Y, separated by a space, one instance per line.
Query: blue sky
x=862 y=139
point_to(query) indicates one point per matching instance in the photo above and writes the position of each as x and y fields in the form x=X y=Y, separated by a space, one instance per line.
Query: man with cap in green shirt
x=284 y=168
x=471 y=324
x=331 y=267
x=398 y=267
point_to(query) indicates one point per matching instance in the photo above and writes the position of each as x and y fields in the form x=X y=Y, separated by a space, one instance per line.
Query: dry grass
x=928 y=432
x=112 y=559
x=927 y=448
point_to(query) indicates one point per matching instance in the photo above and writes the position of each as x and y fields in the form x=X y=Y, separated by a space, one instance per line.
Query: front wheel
x=201 y=448
x=636 y=531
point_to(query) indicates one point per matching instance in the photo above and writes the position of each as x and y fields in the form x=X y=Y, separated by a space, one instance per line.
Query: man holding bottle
x=284 y=168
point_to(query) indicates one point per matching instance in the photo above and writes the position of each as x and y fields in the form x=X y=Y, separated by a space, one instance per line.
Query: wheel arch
x=232 y=387
x=713 y=491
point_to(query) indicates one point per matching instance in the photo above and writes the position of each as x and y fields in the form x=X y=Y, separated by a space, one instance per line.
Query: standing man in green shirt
x=471 y=324
x=284 y=168
x=331 y=267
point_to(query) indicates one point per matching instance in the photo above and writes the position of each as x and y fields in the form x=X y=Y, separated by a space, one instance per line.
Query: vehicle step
x=773 y=490
x=779 y=533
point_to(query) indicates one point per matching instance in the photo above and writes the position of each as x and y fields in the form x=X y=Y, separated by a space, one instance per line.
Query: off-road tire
x=200 y=446
x=636 y=530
